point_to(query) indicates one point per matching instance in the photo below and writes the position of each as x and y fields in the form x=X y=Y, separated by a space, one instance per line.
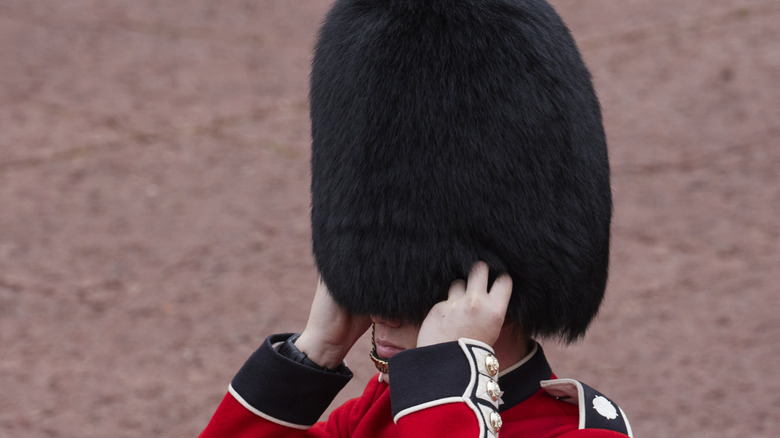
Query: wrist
x=290 y=351
x=321 y=353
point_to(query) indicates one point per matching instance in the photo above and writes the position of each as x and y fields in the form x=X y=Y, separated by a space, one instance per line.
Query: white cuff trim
x=253 y=410
x=426 y=405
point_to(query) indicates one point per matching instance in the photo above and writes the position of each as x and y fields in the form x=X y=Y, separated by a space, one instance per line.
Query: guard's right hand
x=331 y=331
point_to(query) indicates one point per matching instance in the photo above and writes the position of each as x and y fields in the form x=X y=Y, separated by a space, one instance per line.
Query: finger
x=478 y=278
x=457 y=289
x=321 y=286
x=501 y=291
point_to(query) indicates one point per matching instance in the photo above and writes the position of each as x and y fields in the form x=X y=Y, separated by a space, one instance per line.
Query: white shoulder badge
x=596 y=410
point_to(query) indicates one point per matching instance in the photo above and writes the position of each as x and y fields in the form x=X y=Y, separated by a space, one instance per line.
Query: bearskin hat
x=450 y=131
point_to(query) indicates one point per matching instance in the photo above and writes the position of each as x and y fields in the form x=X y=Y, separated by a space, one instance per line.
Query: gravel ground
x=154 y=210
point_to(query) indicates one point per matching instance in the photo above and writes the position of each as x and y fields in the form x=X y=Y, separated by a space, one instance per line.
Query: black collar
x=521 y=380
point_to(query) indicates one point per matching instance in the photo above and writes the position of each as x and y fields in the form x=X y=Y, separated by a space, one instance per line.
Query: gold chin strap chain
x=380 y=364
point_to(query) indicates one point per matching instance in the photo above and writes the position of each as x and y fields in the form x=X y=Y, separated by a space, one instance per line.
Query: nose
x=385 y=322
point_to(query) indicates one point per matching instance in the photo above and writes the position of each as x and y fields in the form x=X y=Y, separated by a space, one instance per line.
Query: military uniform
x=444 y=390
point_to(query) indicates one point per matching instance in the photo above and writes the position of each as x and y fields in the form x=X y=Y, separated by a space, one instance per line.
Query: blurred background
x=154 y=210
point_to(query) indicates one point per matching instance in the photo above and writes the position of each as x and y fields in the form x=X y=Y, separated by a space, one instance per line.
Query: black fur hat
x=451 y=131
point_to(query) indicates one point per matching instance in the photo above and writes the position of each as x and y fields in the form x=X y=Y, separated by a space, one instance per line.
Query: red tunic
x=252 y=406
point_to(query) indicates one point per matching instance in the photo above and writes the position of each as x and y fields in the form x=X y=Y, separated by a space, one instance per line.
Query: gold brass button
x=491 y=364
x=495 y=421
x=493 y=390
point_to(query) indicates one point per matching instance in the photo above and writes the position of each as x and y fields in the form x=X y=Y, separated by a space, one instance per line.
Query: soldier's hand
x=469 y=310
x=331 y=331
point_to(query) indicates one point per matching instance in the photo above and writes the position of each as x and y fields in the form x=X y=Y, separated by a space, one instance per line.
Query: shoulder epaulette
x=596 y=410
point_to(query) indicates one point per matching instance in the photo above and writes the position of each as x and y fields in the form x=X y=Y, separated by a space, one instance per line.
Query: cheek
x=409 y=336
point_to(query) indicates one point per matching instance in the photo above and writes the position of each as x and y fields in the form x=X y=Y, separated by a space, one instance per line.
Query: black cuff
x=452 y=372
x=285 y=390
x=425 y=374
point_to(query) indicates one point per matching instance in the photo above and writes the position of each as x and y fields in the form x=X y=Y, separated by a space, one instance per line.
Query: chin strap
x=380 y=364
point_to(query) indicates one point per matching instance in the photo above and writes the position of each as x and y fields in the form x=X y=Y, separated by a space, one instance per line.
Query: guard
x=461 y=209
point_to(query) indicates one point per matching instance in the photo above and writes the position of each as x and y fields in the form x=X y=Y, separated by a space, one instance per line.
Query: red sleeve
x=273 y=396
x=233 y=420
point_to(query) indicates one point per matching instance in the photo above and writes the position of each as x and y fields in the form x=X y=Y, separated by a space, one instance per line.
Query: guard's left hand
x=469 y=311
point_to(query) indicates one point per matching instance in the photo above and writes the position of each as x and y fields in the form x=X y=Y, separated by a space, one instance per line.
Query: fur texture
x=450 y=131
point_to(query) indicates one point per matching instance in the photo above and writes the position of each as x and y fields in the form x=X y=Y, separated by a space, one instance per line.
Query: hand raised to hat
x=330 y=331
x=469 y=311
